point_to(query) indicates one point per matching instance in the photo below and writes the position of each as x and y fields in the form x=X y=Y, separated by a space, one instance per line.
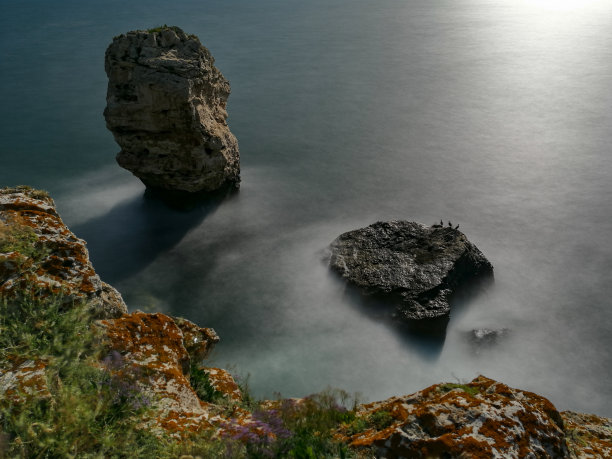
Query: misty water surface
x=493 y=114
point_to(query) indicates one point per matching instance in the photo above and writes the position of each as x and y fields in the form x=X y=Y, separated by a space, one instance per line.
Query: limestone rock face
x=417 y=266
x=484 y=418
x=588 y=436
x=37 y=251
x=223 y=382
x=150 y=350
x=166 y=107
x=198 y=341
x=24 y=379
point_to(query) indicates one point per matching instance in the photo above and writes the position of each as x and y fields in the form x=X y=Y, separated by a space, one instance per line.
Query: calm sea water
x=495 y=114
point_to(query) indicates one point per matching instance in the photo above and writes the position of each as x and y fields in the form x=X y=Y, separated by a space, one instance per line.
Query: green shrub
x=296 y=428
x=16 y=236
x=200 y=382
x=378 y=420
x=83 y=416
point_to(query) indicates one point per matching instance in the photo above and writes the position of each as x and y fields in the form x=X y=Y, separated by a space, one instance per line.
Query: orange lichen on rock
x=154 y=356
x=588 y=436
x=198 y=341
x=222 y=381
x=24 y=379
x=481 y=419
x=40 y=255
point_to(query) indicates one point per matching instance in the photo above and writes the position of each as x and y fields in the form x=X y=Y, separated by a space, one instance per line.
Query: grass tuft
x=465 y=388
x=82 y=416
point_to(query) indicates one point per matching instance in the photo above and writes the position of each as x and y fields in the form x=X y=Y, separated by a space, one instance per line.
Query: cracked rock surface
x=418 y=267
x=166 y=107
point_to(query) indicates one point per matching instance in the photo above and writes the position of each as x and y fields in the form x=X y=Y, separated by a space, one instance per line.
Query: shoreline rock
x=166 y=108
x=416 y=267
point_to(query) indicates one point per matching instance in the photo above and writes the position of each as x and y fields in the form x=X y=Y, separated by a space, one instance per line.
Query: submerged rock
x=166 y=107
x=417 y=266
x=487 y=336
x=39 y=255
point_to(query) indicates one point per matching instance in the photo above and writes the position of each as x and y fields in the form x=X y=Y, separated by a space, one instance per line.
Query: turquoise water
x=493 y=114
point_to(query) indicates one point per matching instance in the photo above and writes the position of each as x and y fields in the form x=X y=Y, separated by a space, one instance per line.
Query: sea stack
x=166 y=107
x=416 y=267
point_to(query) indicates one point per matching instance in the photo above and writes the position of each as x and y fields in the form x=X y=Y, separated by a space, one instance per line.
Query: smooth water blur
x=494 y=114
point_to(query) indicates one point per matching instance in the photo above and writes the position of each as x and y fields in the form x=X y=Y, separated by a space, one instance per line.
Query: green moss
x=465 y=388
x=378 y=420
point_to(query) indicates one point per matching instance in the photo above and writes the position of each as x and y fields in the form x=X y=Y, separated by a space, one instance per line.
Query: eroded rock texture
x=588 y=436
x=481 y=419
x=417 y=266
x=166 y=107
x=40 y=255
x=152 y=352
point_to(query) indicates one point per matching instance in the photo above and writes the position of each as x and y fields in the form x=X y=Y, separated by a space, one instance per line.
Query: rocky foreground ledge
x=416 y=267
x=161 y=357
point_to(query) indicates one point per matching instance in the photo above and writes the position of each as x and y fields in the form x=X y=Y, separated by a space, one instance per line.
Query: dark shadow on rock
x=132 y=234
x=426 y=336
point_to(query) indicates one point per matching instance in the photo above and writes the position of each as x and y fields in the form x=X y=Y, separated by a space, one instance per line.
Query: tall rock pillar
x=166 y=107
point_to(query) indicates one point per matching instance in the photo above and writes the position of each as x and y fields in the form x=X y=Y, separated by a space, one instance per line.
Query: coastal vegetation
x=73 y=405
x=84 y=402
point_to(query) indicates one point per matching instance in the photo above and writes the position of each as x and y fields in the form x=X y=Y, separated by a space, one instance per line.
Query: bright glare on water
x=494 y=114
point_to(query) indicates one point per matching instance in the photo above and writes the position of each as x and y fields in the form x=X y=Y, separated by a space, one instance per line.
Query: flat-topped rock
x=417 y=267
x=166 y=107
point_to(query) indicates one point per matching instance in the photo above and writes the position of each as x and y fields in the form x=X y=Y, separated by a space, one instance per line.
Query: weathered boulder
x=484 y=418
x=39 y=255
x=198 y=341
x=166 y=107
x=416 y=266
x=149 y=351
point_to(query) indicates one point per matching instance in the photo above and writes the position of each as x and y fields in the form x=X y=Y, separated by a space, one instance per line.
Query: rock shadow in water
x=134 y=233
x=426 y=336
